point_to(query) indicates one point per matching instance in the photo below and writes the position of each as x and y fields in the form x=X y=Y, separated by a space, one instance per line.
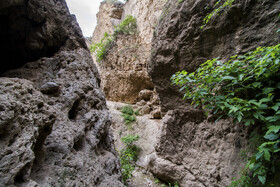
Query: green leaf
x=264 y=100
x=239 y=117
x=228 y=78
x=272 y=118
x=266 y=154
x=272 y=136
x=262 y=179
x=267 y=90
x=259 y=155
x=273 y=128
x=276 y=107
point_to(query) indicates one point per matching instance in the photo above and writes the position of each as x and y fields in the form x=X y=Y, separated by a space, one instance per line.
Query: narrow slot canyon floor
x=148 y=131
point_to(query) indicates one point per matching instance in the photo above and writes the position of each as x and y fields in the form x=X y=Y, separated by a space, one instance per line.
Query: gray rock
x=180 y=44
x=49 y=88
x=51 y=141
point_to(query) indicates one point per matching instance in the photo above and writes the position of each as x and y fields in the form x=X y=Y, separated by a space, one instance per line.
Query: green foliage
x=180 y=1
x=157 y=181
x=128 y=140
x=171 y=185
x=208 y=17
x=129 y=114
x=247 y=89
x=128 y=156
x=102 y=47
x=127 y=26
x=110 y=1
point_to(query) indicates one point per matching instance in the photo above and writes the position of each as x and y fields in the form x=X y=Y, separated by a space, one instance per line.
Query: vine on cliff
x=247 y=89
x=127 y=27
x=216 y=11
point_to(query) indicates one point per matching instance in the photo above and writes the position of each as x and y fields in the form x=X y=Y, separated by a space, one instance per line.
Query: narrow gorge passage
x=163 y=93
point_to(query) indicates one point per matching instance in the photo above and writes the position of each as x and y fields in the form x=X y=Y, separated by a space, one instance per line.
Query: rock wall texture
x=109 y=15
x=179 y=43
x=54 y=123
x=124 y=69
x=147 y=13
x=192 y=149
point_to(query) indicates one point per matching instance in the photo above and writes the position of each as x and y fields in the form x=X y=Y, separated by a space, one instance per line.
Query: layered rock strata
x=54 y=123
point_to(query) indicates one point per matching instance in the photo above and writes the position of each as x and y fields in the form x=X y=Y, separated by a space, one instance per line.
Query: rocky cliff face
x=192 y=149
x=124 y=69
x=54 y=123
x=179 y=43
x=109 y=15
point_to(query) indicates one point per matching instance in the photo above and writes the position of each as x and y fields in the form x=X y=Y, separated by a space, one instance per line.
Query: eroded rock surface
x=109 y=15
x=197 y=152
x=148 y=131
x=192 y=149
x=180 y=44
x=124 y=69
x=54 y=123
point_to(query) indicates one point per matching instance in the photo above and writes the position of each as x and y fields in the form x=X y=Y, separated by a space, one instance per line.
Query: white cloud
x=85 y=11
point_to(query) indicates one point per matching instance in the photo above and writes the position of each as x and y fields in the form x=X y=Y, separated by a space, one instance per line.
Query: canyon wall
x=192 y=149
x=54 y=123
x=124 y=69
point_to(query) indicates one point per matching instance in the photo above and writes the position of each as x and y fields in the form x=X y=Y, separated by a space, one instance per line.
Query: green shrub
x=128 y=156
x=128 y=114
x=127 y=26
x=247 y=89
x=102 y=47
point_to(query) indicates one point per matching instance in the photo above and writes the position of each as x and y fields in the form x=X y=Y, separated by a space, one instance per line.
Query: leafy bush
x=127 y=26
x=102 y=47
x=246 y=88
x=128 y=114
x=208 y=17
x=128 y=156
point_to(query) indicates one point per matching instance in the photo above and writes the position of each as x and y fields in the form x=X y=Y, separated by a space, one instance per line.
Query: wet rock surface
x=54 y=123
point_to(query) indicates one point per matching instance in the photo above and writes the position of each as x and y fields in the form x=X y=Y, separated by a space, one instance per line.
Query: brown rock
x=145 y=110
x=156 y=113
x=145 y=95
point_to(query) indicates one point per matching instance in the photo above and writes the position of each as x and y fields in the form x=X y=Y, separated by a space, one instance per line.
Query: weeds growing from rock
x=128 y=156
x=129 y=115
x=127 y=27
